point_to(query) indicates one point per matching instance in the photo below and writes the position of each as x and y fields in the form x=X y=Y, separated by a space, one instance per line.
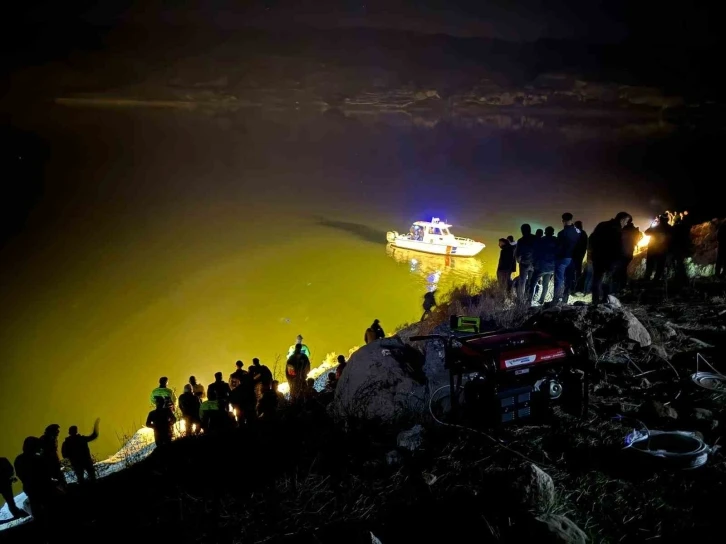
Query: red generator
x=511 y=376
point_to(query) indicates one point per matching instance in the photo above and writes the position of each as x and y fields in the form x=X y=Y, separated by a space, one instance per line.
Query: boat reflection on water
x=438 y=271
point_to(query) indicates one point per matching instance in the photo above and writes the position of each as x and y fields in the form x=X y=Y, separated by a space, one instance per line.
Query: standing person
x=239 y=373
x=567 y=240
x=197 y=388
x=607 y=250
x=544 y=262
x=506 y=265
x=261 y=379
x=189 y=405
x=213 y=419
x=219 y=390
x=162 y=420
x=7 y=477
x=524 y=254
x=38 y=482
x=539 y=233
x=341 y=367
x=296 y=371
x=681 y=246
x=263 y=374
x=631 y=237
x=721 y=249
x=578 y=256
x=268 y=405
x=658 y=247
x=163 y=392
x=49 y=451
x=513 y=243
x=304 y=347
x=429 y=302
x=75 y=449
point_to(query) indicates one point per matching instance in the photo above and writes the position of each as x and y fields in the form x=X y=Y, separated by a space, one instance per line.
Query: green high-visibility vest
x=304 y=350
x=163 y=392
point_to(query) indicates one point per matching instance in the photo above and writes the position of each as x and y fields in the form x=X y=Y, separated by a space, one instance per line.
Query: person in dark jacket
x=544 y=262
x=75 y=449
x=680 y=246
x=49 y=448
x=721 y=249
x=261 y=379
x=376 y=328
x=429 y=302
x=268 y=406
x=239 y=373
x=631 y=237
x=539 y=233
x=189 y=405
x=263 y=374
x=219 y=390
x=578 y=256
x=341 y=367
x=607 y=251
x=506 y=263
x=296 y=371
x=513 y=243
x=162 y=420
x=567 y=240
x=524 y=254
x=658 y=247
x=37 y=478
x=7 y=477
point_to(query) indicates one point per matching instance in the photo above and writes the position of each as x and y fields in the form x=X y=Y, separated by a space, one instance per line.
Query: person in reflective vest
x=163 y=392
x=304 y=348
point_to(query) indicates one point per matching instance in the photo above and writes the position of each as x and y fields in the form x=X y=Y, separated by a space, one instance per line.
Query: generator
x=513 y=375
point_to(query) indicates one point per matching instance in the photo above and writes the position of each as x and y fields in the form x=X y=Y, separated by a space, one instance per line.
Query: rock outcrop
x=383 y=380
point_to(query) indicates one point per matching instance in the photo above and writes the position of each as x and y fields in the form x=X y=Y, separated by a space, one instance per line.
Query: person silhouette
x=428 y=303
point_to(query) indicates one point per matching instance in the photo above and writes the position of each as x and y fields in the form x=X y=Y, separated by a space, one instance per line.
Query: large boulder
x=383 y=380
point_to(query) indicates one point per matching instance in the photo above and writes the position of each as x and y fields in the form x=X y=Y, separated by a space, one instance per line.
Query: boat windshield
x=416 y=233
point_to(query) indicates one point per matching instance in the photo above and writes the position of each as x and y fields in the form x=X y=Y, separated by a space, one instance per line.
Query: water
x=171 y=243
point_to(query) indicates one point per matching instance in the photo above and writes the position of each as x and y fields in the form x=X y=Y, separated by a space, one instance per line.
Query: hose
x=493 y=440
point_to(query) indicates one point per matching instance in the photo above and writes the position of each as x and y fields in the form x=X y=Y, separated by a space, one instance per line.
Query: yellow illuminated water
x=169 y=245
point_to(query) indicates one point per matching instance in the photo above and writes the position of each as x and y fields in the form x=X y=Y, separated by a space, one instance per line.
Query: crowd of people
x=40 y=470
x=597 y=263
x=251 y=396
x=248 y=397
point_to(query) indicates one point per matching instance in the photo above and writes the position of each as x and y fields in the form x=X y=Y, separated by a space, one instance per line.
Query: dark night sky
x=527 y=20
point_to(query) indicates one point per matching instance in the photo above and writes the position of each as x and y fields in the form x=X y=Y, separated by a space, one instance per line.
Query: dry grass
x=487 y=301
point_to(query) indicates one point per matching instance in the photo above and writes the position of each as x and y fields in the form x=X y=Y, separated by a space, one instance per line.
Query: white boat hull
x=458 y=248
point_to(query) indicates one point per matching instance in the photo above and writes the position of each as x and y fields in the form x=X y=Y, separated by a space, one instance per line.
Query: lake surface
x=170 y=243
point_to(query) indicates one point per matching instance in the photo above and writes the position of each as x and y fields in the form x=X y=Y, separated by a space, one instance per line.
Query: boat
x=434 y=237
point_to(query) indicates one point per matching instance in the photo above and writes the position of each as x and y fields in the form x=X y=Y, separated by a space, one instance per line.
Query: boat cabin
x=430 y=231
